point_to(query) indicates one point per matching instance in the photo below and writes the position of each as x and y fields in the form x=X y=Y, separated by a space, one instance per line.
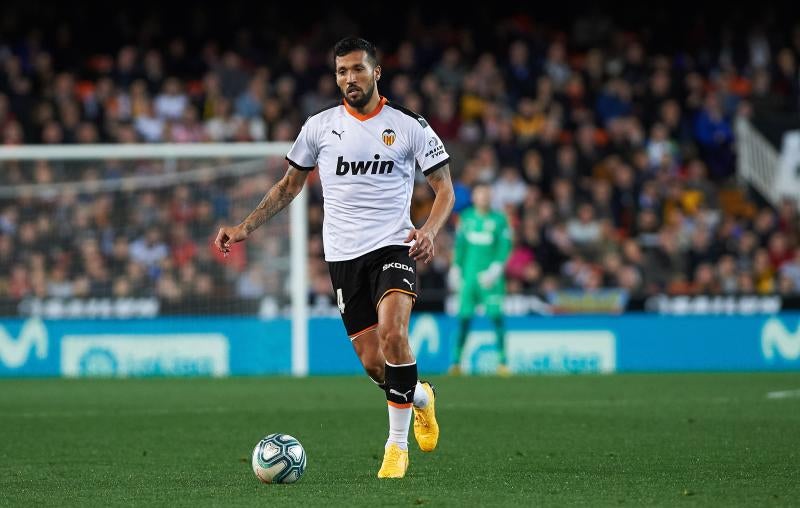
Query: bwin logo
x=374 y=167
x=775 y=338
x=14 y=353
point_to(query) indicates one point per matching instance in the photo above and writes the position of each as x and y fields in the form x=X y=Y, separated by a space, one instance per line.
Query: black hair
x=350 y=44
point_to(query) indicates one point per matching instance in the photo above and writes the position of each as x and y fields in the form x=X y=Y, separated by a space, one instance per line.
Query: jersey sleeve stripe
x=298 y=166
x=408 y=112
x=435 y=167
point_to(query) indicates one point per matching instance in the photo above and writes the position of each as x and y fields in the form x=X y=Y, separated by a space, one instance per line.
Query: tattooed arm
x=442 y=185
x=280 y=195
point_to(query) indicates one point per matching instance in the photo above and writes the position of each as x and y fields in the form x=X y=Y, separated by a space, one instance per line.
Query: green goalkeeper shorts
x=472 y=294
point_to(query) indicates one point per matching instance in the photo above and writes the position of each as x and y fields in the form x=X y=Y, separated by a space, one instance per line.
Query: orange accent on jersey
x=399 y=406
x=413 y=296
x=365 y=330
x=361 y=117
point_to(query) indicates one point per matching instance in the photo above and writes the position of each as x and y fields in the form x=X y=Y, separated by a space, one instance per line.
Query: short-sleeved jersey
x=367 y=165
x=481 y=239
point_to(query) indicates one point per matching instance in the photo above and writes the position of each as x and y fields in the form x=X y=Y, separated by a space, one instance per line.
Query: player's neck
x=369 y=107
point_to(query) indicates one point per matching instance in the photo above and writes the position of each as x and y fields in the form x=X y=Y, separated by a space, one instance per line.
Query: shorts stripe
x=362 y=332
x=413 y=295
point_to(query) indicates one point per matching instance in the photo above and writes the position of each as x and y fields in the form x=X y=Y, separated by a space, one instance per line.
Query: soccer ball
x=279 y=458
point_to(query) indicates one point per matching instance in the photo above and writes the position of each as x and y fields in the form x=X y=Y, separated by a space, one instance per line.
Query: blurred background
x=643 y=157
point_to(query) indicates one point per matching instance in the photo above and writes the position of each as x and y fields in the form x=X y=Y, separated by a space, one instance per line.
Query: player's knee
x=391 y=336
x=394 y=342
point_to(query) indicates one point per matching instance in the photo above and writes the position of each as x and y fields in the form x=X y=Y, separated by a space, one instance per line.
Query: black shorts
x=360 y=284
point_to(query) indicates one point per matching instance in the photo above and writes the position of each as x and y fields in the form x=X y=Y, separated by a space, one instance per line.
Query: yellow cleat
x=395 y=462
x=503 y=370
x=426 y=430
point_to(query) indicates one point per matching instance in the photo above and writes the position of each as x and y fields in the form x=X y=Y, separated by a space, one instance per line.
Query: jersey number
x=340 y=300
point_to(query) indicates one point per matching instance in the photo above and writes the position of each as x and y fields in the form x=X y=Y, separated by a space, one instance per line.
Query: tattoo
x=440 y=175
x=442 y=186
x=274 y=201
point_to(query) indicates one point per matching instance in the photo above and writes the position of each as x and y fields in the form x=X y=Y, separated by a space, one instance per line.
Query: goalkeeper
x=482 y=246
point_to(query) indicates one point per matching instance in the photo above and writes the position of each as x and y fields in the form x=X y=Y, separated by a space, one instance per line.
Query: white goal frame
x=170 y=152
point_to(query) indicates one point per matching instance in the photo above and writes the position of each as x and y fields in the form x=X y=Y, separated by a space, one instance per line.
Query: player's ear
x=377 y=72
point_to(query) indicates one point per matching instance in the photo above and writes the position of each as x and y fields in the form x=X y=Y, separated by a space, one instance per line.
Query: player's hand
x=422 y=250
x=229 y=235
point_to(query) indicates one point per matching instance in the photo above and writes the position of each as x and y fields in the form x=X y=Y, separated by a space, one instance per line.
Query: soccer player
x=482 y=247
x=367 y=150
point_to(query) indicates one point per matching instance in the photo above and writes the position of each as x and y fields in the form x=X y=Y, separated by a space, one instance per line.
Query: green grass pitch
x=634 y=440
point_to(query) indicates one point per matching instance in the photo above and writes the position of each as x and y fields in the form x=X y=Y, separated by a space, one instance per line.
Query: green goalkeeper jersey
x=481 y=239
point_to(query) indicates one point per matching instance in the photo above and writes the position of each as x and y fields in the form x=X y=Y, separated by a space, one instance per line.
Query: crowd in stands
x=614 y=163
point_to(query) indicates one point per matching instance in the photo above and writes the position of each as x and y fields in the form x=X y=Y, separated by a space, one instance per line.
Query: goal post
x=178 y=164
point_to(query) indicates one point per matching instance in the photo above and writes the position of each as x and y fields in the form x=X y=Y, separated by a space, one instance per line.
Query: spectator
x=520 y=70
x=715 y=135
x=444 y=120
x=222 y=126
x=584 y=230
x=188 y=129
x=171 y=102
x=450 y=70
x=149 y=250
x=183 y=249
x=791 y=270
x=572 y=132
x=509 y=190
x=248 y=104
x=150 y=126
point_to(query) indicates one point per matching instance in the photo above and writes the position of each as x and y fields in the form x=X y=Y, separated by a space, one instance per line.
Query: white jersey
x=366 y=166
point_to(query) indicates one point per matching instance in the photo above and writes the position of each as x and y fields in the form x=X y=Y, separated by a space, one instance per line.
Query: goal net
x=104 y=231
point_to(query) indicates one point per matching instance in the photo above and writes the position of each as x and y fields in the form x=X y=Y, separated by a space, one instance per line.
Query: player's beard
x=364 y=99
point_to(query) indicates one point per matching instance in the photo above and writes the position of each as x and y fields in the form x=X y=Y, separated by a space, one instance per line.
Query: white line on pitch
x=103 y=412
x=784 y=394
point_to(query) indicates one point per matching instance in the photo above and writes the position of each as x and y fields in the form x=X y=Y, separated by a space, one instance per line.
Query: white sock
x=399 y=421
x=420 y=396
